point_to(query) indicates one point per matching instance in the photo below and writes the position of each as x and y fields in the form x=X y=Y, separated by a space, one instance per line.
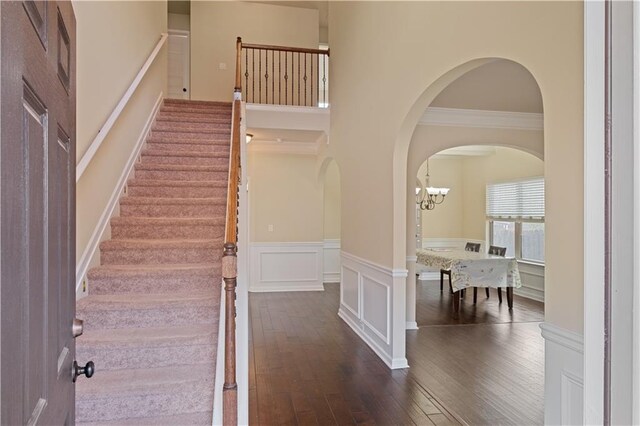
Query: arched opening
x=480 y=124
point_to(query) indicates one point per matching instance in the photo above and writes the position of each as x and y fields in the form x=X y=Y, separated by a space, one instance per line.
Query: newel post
x=230 y=389
x=238 y=86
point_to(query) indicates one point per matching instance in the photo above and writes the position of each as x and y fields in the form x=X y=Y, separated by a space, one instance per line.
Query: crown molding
x=457 y=117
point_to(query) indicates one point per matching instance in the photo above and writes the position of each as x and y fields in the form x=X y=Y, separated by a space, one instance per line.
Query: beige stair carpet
x=151 y=318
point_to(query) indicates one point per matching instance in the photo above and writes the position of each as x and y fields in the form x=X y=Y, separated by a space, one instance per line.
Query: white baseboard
x=286 y=266
x=529 y=293
x=331 y=261
x=412 y=325
x=90 y=255
x=564 y=361
x=369 y=304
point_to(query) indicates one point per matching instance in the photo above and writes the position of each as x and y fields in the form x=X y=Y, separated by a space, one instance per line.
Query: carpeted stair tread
x=178 y=183
x=193 y=103
x=155 y=152
x=202 y=418
x=189 y=127
x=166 y=227
x=145 y=392
x=164 y=221
x=205 y=141
x=164 y=134
x=170 y=200
x=157 y=244
x=202 y=334
x=213 y=117
x=181 y=167
x=146 y=300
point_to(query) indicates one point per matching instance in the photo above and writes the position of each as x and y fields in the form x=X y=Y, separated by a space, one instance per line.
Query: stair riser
x=221 y=148
x=152 y=232
x=177 y=191
x=169 y=284
x=218 y=117
x=158 y=256
x=173 y=135
x=172 y=210
x=154 y=317
x=190 y=160
x=190 y=399
x=195 y=109
x=190 y=127
x=120 y=358
x=180 y=175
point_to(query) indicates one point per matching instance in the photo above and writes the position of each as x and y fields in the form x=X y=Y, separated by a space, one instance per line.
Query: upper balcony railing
x=279 y=75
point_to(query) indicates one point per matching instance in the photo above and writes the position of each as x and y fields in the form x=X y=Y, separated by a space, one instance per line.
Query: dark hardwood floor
x=433 y=307
x=308 y=367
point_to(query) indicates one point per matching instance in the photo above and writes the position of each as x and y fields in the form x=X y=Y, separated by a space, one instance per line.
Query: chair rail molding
x=106 y=127
x=372 y=303
x=564 y=360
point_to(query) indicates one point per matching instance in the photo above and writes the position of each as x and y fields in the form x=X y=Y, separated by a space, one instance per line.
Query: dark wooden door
x=37 y=212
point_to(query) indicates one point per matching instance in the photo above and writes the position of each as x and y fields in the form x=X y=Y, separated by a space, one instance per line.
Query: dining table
x=473 y=269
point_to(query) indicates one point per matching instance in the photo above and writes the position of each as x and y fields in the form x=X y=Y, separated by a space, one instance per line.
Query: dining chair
x=468 y=247
x=495 y=251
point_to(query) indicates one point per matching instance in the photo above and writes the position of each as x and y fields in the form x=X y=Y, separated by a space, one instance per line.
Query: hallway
x=308 y=367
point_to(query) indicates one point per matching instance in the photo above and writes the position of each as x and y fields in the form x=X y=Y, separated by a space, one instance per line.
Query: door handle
x=184 y=89
x=87 y=370
x=77 y=328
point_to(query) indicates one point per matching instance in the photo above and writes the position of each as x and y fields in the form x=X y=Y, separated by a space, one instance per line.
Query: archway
x=442 y=119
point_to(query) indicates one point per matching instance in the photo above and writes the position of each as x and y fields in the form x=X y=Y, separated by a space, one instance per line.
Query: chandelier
x=428 y=197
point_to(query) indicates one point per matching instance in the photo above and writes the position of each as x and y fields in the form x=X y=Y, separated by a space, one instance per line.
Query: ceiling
x=497 y=86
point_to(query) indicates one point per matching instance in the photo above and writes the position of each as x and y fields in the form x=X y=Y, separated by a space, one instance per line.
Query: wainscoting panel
x=331 y=273
x=350 y=291
x=286 y=266
x=372 y=303
x=563 y=391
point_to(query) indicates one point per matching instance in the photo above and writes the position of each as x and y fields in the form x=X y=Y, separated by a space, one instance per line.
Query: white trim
x=331 y=261
x=358 y=284
x=412 y=325
x=395 y=273
x=529 y=293
x=288 y=108
x=90 y=251
x=593 y=212
x=562 y=337
x=635 y=415
x=219 y=380
x=106 y=127
x=308 y=269
x=459 y=117
x=179 y=32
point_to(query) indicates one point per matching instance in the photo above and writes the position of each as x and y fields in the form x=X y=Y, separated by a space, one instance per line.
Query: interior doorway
x=178 y=61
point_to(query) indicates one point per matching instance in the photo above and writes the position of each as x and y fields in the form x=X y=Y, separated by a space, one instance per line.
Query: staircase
x=151 y=319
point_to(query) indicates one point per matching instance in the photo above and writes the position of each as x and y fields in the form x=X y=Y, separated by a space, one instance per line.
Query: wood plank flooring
x=308 y=367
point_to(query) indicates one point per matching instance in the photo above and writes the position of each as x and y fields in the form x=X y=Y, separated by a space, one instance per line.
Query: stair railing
x=280 y=75
x=230 y=261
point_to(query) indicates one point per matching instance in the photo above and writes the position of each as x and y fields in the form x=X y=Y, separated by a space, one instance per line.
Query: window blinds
x=522 y=199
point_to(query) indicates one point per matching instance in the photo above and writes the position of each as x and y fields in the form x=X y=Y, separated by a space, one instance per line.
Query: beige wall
x=114 y=39
x=215 y=26
x=332 y=202
x=462 y=215
x=386 y=69
x=284 y=192
x=447 y=219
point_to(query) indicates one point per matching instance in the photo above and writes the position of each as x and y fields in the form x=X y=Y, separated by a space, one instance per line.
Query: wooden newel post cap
x=230 y=249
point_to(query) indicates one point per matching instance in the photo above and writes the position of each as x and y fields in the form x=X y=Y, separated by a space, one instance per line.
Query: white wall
x=178 y=21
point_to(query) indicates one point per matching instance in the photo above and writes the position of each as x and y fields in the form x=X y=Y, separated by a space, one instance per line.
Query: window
x=515 y=213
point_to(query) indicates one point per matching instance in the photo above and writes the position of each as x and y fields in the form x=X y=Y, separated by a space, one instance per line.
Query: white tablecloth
x=471 y=269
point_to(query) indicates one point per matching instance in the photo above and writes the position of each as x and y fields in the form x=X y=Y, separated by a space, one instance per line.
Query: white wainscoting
x=532 y=275
x=563 y=387
x=372 y=304
x=286 y=266
x=331 y=257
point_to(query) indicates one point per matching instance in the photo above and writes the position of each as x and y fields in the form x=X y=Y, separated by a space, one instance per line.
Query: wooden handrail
x=229 y=260
x=285 y=48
